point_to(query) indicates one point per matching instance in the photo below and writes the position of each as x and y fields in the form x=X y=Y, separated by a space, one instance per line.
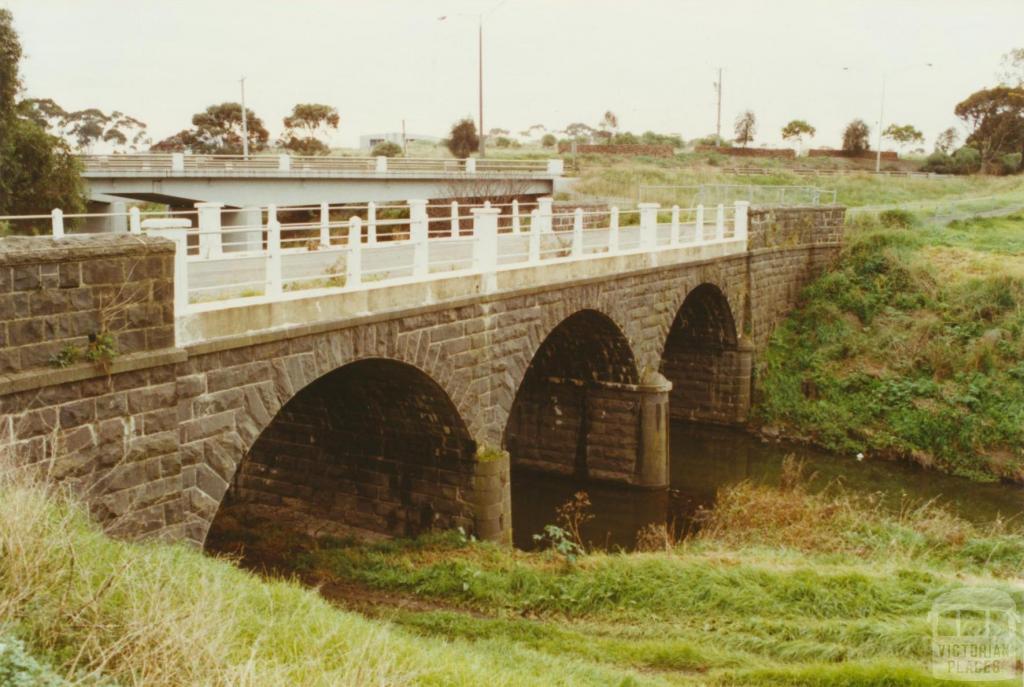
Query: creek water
x=704 y=459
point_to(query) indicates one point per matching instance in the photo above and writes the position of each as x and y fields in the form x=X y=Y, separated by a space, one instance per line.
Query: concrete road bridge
x=183 y=181
x=384 y=380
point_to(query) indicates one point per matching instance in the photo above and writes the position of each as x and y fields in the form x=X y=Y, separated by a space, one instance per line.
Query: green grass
x=751 y=600
x=911 y=346
x=622 y=177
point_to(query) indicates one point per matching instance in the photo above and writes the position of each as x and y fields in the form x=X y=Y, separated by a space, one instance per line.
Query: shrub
x=463 y=139
x=1011 y=163
x=548 y=141
x=897 y=219
x=386 y=149
x=967 y=160
x=503 y=142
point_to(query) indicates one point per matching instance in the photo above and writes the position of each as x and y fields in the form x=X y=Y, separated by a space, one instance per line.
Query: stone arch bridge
x=400 y=413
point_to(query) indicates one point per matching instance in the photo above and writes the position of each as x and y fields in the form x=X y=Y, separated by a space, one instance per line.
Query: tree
x=746 y=127
x=463 y=139
x=37 y=171
x=903 y=135
x=855 y=137
x=307 y=126
x=386 y=149
x=946 y=141
x=579 y=131
x=796 y=130
x=218 y=131
x=85 y=128
x=608 y=125
x=548 y=141
x=1012 y=72
x=995 y=117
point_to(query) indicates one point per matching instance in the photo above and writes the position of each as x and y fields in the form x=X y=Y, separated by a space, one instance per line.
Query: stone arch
x=706 y=361
x=560 y=412
x=374 y=446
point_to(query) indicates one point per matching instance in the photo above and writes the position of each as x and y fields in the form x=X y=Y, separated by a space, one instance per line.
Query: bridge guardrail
x=755 y=194
x=235 y=256
x=142 y=164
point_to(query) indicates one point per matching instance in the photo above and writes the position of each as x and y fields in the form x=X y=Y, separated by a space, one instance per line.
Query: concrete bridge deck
x=183 y=180
x=392 y=405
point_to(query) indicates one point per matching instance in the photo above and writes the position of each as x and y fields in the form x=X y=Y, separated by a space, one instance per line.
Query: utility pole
x=718 y=115
x=480 y=37
x=405 y=141
x=245 y=126
x=881 y=114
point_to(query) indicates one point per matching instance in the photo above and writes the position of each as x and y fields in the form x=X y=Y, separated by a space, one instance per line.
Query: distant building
x=367 y=141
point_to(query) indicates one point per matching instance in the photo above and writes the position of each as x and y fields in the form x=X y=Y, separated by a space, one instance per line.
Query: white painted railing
x=239 y=256
x=142 y=164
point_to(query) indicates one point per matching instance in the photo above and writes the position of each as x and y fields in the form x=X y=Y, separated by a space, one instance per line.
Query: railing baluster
x=418 y=234
x=455 y=219
x=577 y=233
x=674 y=240
x=720 y=222
x=515 y=217
x=354 y=264
x=534 y=250
x=134 y=220
x=274 y=285
x=648 y=225
x=741 y=219
x=613 y=230
x=698 y=224
x=485 y=246
x=57 y=223
x=325 y=225
x=371 y=222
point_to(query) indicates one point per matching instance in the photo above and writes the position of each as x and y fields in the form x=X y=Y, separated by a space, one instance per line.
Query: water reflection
x=707 y=458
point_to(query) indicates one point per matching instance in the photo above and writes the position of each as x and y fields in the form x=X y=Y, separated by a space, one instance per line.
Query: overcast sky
x=550 y=62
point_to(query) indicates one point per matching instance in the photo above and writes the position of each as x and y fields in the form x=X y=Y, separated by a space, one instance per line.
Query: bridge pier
x=238 y=241
x=115 y=223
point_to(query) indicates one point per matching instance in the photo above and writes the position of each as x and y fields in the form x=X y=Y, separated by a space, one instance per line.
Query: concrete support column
x=210 y=245
x=741 y=218
x=117 y=223
x=652 y=463
x=245 y=233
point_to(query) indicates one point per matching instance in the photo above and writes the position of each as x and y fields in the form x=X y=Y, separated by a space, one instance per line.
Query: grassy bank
x=780 y=587
x=621 y=178
x=911 y=346
x=752 y=600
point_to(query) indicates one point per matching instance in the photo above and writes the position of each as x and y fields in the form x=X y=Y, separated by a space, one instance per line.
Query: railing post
x=533 y=256
x=418 y=236
x=176 y=230
x=648 y=225
x=177 y=162
x=720 y=222
x=470 y=165
x=675 y=225
x=485 y=246
x=455 y=219
x=134 y=220
x=325 y=225
x=382 y=164
x=613 y=230
x=698 y=224
x=371 y=222
x=577 y=233
x=354 y=263
x=284 y=163
x=556 y=167
x=57 y=223
x=545 y=207
x=274 y=285
x=741 y=219
x=209 y=229
x=516 y=228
